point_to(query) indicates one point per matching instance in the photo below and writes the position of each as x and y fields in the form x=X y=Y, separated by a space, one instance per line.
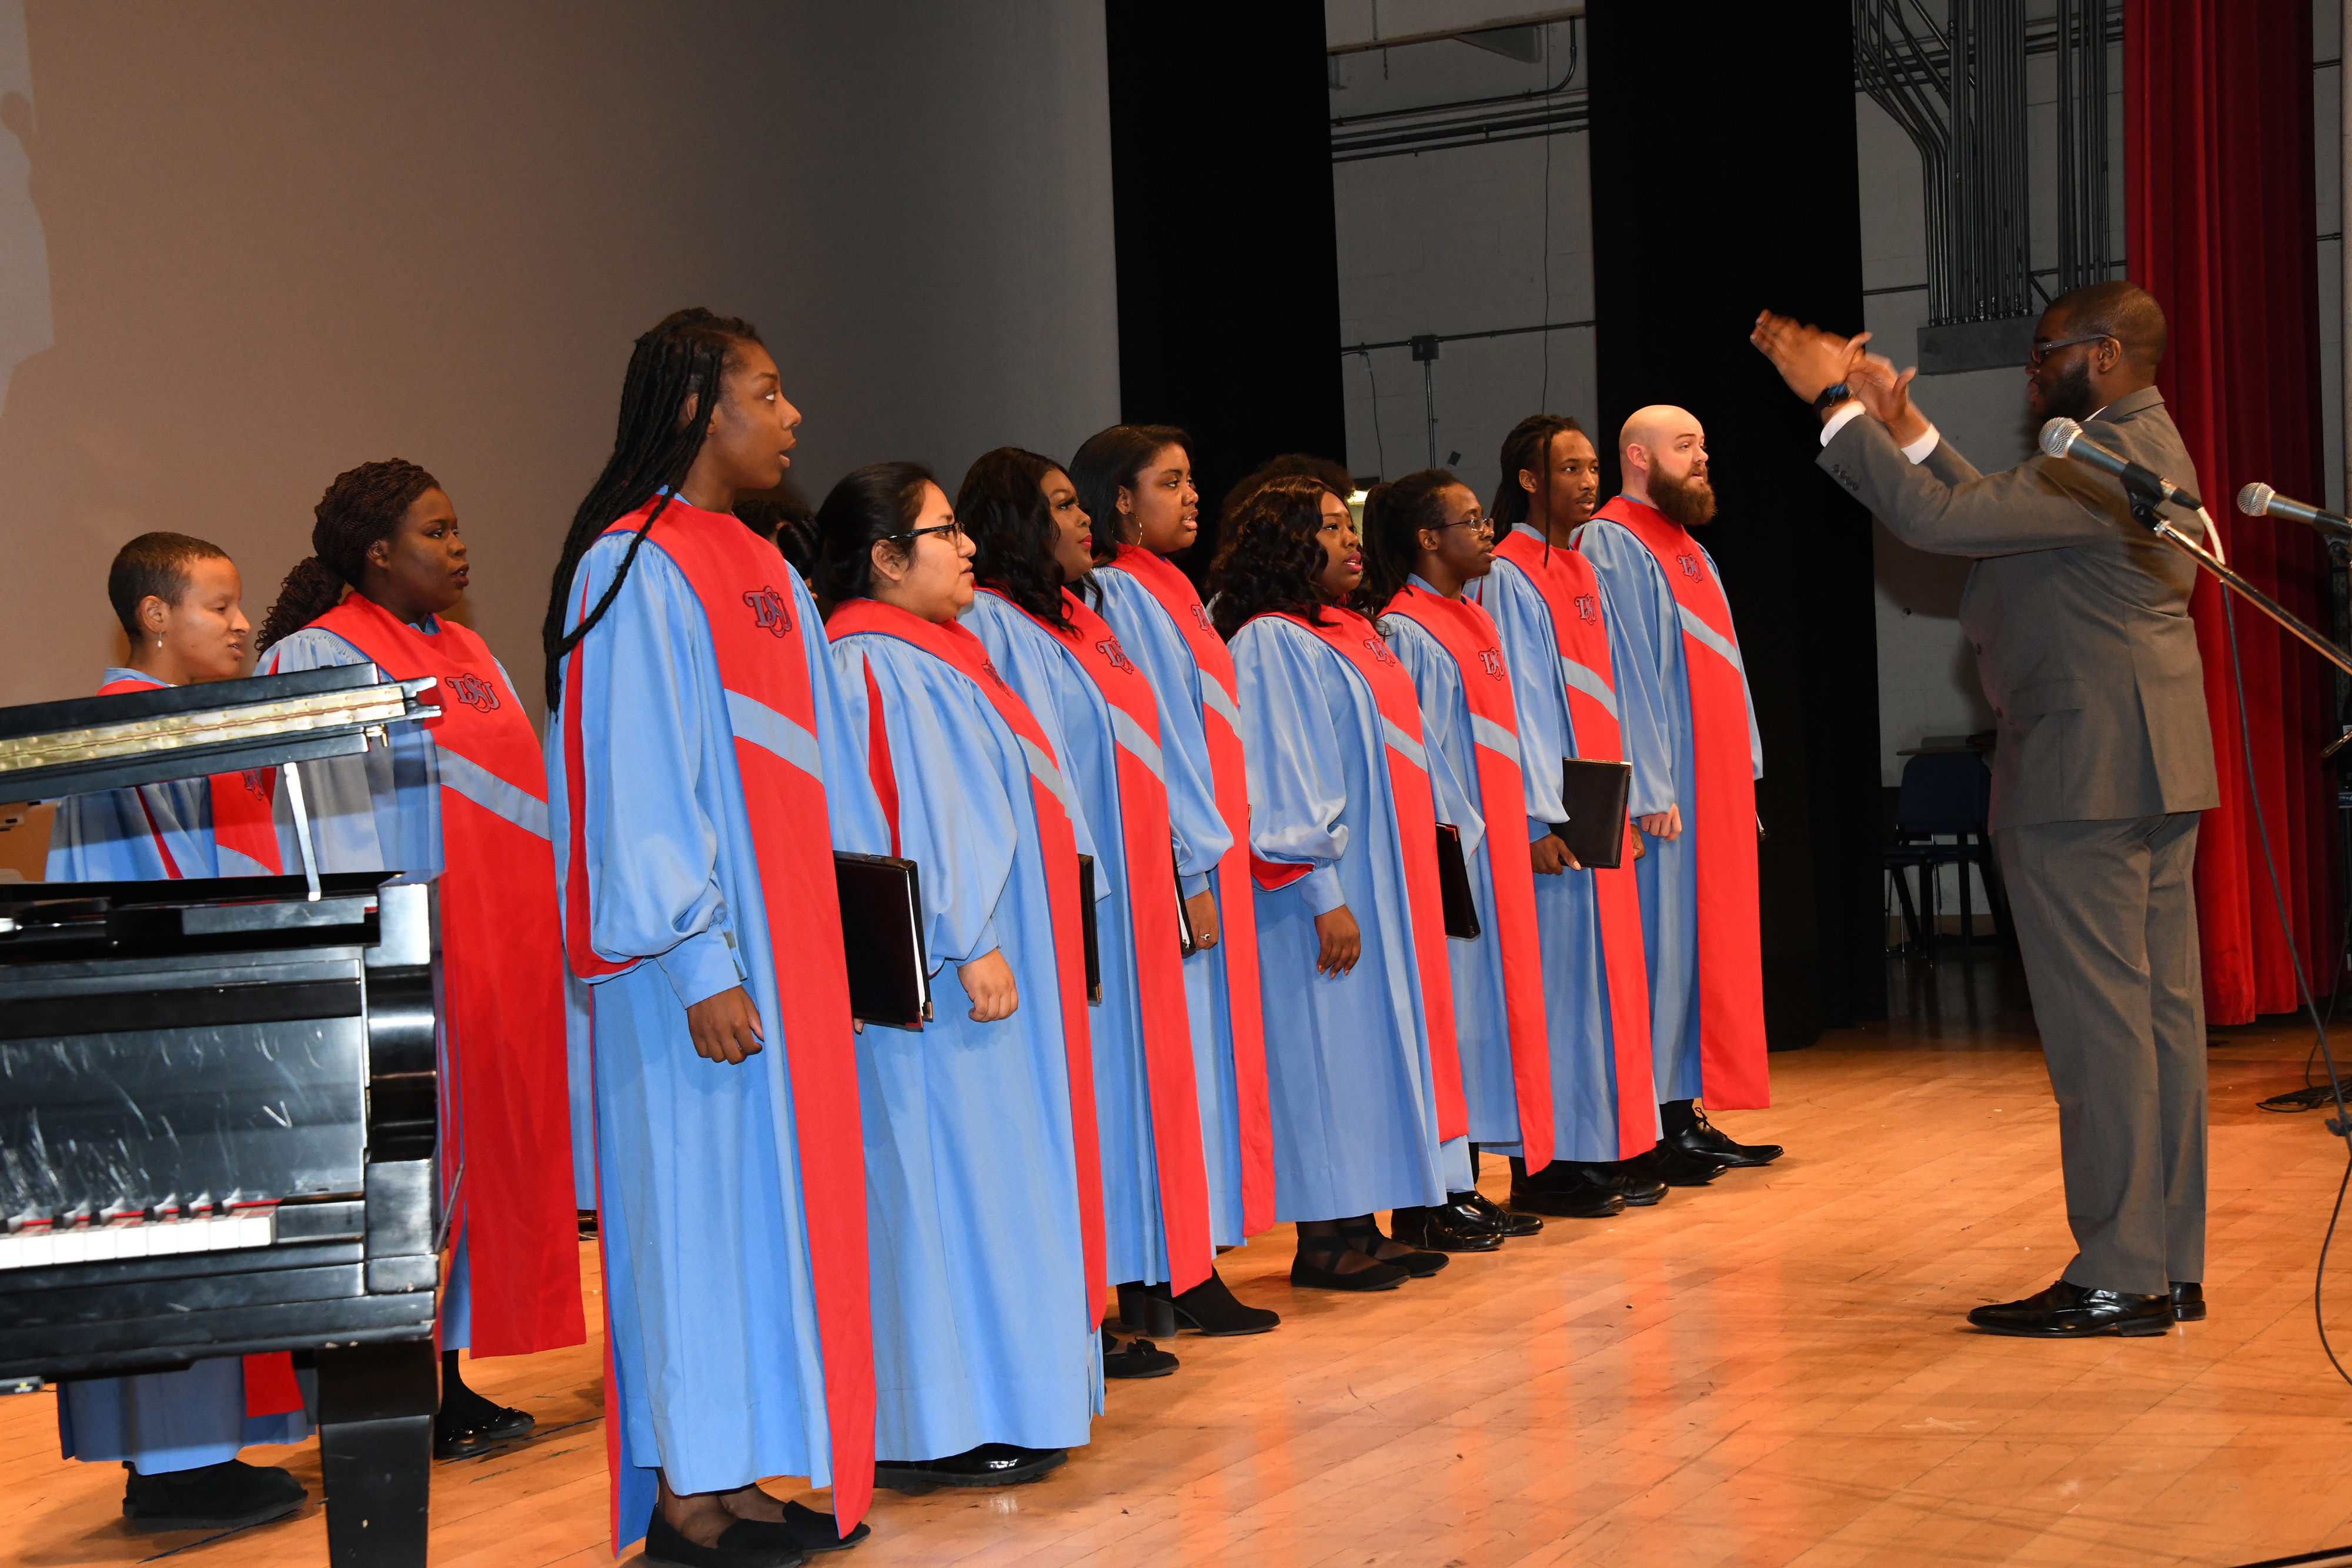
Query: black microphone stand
x=2144 y=504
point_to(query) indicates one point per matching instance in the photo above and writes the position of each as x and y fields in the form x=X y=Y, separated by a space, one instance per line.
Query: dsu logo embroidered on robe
x=1201 y=613
x=1380 y=655
x=1110 y=650
x=1689 y=566
x=1492 y=659
x=989 y=665
x=257 y=782
x=773 y=610
x=473 y=691
x=1587 y=607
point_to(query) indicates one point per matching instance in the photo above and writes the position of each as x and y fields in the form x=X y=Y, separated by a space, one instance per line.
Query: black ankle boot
x=1209 y=1307
x=1146 y=1310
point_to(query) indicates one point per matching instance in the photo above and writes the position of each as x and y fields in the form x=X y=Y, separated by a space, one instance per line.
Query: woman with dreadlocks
x=702 y=773
x=1555 y=626
x=463 y=797
x=1366 y=1091
x=1134 y=482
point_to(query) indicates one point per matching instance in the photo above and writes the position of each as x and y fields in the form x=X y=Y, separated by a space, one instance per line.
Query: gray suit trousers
x=2107 y=921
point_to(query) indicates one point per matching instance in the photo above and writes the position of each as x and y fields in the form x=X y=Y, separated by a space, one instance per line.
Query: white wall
x=283 y=238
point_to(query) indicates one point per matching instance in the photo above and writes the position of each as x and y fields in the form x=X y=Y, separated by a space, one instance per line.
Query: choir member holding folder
x=178 y=1433
x=462 y=798
x=1425 y=539
x=1135 y=484
x=982 y=1174
x=1366 y=1091
x=703 y=772
x=1555 y=627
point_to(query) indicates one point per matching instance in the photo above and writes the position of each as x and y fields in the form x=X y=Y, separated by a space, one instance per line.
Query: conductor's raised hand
x=988 y=981
x=1884 y=394
x=1809 y=359
x=726 y=1027
x=1342 y=942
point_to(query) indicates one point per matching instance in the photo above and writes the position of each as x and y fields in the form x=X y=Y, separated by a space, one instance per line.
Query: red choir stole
x=961 y=650
x=1158 y=943
x=1581 y=629
x=502 y=986
x=241 y=803
x=734 y=573
x=1467 y=632
x=1354 y=639
x=241 y=820
x=1730 y=939
x=1221 y=720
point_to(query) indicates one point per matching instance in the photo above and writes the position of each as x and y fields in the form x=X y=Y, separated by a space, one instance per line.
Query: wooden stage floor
x=1773 y=1371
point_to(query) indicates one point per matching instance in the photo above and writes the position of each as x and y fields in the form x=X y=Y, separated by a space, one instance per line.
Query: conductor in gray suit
x=2080 y=621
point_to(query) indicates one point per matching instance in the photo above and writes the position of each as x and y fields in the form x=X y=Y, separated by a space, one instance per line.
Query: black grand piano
x=218 y=1097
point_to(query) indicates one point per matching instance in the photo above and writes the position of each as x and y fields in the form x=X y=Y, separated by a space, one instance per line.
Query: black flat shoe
x=816 y=1531
x=465 y=1438
x=1703 y=1142
x=1364 y=1235
x=231 y=1495
x=1502 y=1218
x=1209 y=1307
x=1137 y=1358
x=989 y=1465
x=746 y=1543
x=1445 y=1228
x=2067 y=1311
x=1567 y=1189
x=1327 y=1276
x=1638 y=1179
x=2188 y=1303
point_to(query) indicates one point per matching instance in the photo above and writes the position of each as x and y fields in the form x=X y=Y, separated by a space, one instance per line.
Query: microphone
x=2259 y=501
x=2063 y=437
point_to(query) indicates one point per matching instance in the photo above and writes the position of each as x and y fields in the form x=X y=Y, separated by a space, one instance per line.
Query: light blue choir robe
x=1072 y=711
x=1348 y=1086
x=1201 y=838
x=984 y=1318
x=159 y=1421
x=1480 y=1025
x=1576 y=977
x=1645 y=639
x=706 y=1246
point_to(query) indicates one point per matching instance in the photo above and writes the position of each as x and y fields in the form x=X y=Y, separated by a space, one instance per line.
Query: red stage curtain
x=2221 y=222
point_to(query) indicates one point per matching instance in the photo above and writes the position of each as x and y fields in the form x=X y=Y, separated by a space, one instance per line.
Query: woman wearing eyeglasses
x=1426 y=539
x=1364 y=1088
x=984 y=1184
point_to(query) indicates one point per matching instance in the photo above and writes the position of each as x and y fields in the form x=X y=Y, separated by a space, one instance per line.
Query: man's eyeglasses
x=2046 y=347
x=1475 y=524
x=953 y=530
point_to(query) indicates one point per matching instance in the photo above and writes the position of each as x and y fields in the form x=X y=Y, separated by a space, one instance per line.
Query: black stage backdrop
x=1723 y=183
x=1228 y=253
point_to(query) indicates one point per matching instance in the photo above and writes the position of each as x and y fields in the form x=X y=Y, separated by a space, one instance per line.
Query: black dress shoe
x=1316 y=1269
x=746 y=1543
x=989 y=1465
x=1703 y=1142
x=1569 y=1189
x=2068 y=1311
x=2188 y=1303
x=463 y=1435
x=1638 y=1179
x=1137 y=1358
x=1671 y=1165
x=1208 y=1308
x=230 y=1495
x=1501 y=1218
x=1445 y=1227
x=1364 y=1235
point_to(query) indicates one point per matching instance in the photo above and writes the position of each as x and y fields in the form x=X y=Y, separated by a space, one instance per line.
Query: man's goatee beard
x=1684 y=504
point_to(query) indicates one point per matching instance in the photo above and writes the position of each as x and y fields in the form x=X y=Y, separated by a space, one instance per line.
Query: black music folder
x=882 y=939
x=1595 y=794
x=1186 y=943
x=1087 y=919
x=1454 y=883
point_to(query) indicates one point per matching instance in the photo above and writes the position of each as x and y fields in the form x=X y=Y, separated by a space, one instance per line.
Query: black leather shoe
x=1137 y=1358
x=1502 y=1218
x=1449 y=1227
x=230 y=1495
x=1209 y=1307
x=468 y=1436
x=989 y=1465
x=2067 y=1311
x=746 y=1543
x=1316 y=1269
x=1364 y=1235
x=1638 y=1179
x=1569 y=1189
x=1704 y=1142
x=1672 y=1166
x=2188 y=1303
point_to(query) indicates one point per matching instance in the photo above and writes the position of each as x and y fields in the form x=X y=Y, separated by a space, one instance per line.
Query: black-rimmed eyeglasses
x=2044 y=347
x=953 y=530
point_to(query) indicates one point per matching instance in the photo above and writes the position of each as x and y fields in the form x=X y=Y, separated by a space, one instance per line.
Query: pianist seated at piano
x=462 y=798
x=179 y=1432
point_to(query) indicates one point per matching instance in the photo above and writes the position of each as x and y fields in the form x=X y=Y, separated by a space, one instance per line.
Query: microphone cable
x=2339 y=1124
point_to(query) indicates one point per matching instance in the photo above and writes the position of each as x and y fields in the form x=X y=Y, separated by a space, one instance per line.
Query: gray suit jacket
x=2078 y=614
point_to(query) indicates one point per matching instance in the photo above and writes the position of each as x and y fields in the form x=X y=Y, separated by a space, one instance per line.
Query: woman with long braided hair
x=703 y=772
x=463 y=797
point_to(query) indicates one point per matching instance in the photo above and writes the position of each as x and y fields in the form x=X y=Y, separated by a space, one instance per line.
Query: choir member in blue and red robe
x=1425 y=541
x=461 y=797
x=1365 y=1089
x=1557 y=634
x=983 y=1178
x=1689 y=725
x=1135 y=485
x=702 y=770
x=179 y=1433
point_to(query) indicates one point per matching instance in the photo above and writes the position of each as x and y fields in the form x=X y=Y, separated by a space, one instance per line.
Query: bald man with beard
x=1689 y=728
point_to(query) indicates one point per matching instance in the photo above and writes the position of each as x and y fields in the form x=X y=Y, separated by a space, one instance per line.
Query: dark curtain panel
x=1724 y=183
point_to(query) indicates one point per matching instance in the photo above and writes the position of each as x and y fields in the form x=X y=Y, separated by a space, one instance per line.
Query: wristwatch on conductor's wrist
x=1831 y=397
